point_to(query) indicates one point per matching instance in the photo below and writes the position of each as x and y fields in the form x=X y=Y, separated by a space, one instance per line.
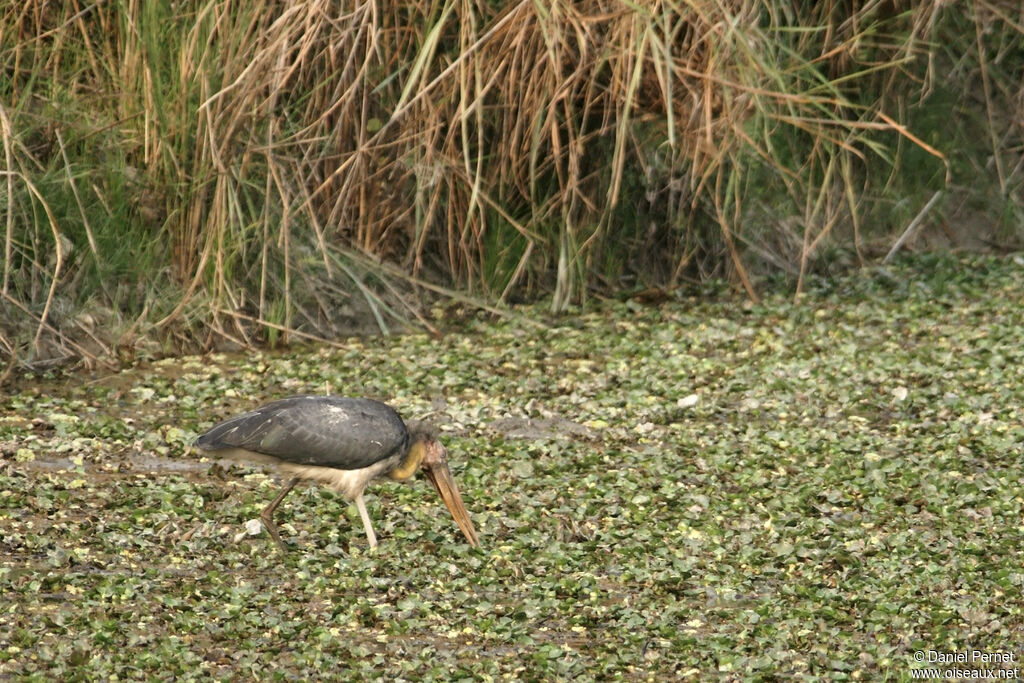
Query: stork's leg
x=361 y=506
x=268 y=513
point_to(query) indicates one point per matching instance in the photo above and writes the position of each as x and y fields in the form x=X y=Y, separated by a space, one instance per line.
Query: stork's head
x=431 y=455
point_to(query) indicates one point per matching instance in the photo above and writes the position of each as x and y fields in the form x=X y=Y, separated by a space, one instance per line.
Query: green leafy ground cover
x=704 y=489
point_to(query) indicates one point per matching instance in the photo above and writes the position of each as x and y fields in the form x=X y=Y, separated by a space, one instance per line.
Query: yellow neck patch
x=411 y=462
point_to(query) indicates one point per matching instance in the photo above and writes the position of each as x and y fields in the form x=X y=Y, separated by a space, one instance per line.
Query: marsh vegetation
x=705 y=489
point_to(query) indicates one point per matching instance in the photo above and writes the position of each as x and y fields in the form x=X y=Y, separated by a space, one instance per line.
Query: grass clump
x=210 y=172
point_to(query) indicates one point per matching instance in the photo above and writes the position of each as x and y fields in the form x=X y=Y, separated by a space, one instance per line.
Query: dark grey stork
x=343 y=442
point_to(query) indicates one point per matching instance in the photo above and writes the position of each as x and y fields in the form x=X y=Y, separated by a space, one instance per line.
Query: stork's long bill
x=441 y=477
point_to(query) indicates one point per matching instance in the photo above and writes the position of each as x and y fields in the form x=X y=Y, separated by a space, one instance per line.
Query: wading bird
x=343 y=442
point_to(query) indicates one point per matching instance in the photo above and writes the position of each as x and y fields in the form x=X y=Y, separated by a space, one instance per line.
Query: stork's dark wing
x=347 y=433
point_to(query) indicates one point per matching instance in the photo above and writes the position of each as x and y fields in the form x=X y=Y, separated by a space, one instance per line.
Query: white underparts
x=349 y=483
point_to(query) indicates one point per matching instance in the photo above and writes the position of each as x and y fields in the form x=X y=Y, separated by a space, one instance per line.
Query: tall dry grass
x=206 y=171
